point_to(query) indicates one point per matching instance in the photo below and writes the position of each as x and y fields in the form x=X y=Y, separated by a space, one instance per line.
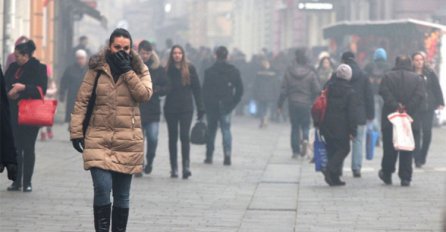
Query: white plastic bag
x=402 y=131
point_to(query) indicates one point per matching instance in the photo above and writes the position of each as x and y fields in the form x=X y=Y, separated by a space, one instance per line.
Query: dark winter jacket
x=32 y=74
x=433 y=94
x=404 y=87
x=69 y=85
x=375 y=72
x=8 y=153
x=179 y=96
x=266 y=86
x=365 y=101
x=341 y=113
x=300 y=86
x=151 y=111
x=222 y=88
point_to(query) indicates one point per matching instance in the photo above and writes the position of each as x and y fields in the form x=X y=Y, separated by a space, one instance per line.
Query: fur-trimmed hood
x=99 y=62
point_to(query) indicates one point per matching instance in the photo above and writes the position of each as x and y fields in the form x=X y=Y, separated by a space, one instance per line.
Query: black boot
x=186 y=169
x=119 y=219
x=102 y=218
x=173 y=167
x=227 y=160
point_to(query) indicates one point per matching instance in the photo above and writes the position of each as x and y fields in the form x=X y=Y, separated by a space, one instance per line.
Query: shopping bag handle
x=40 y=92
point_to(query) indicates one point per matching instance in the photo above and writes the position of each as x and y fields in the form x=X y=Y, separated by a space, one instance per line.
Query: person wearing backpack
x=339 y=124
x=300 y=86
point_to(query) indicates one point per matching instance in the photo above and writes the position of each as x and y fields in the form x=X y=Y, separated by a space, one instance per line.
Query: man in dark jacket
x=339 y=125
x=365 y=111
x=402 y=90
x=71 y=81
x=300 y=86
x=8 y=152
x=151 y=110
x=222 y=91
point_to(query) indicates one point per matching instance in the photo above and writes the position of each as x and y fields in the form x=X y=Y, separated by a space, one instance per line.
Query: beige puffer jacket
x=114 y=139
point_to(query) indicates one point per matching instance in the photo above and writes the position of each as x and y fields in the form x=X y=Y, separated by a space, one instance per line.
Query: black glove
x=12 y=171
x=200 y=115
x=122 y=60
x=78 y=144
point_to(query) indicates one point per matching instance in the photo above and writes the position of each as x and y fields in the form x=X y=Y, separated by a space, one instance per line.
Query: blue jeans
x=225 y=126
x=300 y=122
x=379 y=102
x=358 y=147
x=151 y=131
x=104 y=181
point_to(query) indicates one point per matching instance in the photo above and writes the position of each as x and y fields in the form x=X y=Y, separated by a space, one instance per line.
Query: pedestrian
x=82 y=44
x=339 y=124
x=184 y=87
x=375 y=72
x=71 y=81
x=300 y=86
x=403 y=91
x=222 y=91
x=365 y=111
x=25 y=78
x=113 y=146
x=433 y=101
x=8 y=152
x=265 y=92
x=324 y=70
x=51 y=92
x=151 y=110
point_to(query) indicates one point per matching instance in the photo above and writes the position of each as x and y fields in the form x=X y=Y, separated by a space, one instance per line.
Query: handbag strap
x=40 y=92
x=95 y=85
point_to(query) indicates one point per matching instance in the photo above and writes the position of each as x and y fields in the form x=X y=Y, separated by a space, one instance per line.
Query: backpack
x=319 y=108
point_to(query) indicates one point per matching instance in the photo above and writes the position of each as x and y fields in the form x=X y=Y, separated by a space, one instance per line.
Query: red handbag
x=37 y=112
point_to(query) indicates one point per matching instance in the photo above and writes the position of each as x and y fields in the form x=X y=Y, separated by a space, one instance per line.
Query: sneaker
x=13 y=188
x=387 y=179
x=356 y=174
x=28 y=189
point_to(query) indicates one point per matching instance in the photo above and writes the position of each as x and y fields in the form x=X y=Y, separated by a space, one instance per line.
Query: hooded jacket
x=300 y=86
x=365 y=101
x=151 y=111
x=114 y=139
x=222 y=88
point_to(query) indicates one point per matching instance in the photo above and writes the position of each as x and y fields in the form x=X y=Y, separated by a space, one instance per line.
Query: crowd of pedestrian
x=115 y=100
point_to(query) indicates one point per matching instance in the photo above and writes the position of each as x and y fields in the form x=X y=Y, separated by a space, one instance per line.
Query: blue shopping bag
x=320 y=152
x=372 y=139
x=252 y=107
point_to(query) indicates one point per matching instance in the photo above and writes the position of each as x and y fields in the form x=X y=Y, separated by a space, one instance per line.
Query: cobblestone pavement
x=264 y=190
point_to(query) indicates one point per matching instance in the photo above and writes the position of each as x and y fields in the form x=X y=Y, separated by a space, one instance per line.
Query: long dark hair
x=120 y=32
x=184 y=66
x=26 y=48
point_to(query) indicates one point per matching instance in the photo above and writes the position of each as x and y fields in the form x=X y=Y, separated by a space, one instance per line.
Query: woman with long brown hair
x=184 y=86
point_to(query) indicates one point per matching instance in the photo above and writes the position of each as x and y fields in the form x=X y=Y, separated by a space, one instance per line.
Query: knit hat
x=380 y=54
x=344 y=72
x=346 y=56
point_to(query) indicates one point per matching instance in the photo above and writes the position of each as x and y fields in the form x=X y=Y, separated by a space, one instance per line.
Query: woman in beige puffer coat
x=113 y=146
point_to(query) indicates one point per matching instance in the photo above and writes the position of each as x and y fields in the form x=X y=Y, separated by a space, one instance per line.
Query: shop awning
x=380 y=28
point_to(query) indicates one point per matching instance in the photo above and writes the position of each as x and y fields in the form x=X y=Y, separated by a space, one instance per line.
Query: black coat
x=69 y=84
x=222 y=88
x=364 y=94
x=375 y=72
x=434 y=95
x=8 y=153
x=341 y=113
x=32 y=74
x=266 y=86
x=404 y=87
x=151 y=110
x=179 y=98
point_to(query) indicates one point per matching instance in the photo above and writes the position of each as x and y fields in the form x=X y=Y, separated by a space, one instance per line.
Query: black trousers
x=423 y=139
x=337 y=150
x=183 y=121
x=25 y=138
x=390 y=156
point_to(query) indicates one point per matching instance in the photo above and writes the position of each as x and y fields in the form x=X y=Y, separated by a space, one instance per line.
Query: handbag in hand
x=199 y=134
x=37 y=112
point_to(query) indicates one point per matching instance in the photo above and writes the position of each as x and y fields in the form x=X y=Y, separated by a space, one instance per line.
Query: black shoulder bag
x=90 y=105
